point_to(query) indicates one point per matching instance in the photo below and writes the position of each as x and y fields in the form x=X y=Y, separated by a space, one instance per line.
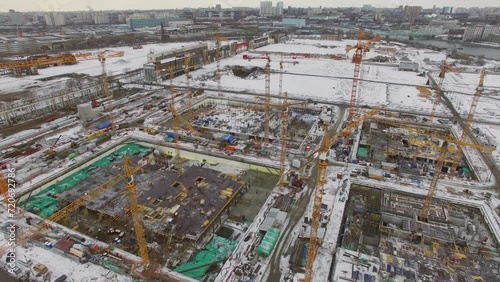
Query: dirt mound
x=247 y=72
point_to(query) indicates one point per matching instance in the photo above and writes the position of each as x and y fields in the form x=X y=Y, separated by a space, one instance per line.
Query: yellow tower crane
x=135 y=212
x=24 y=236
x=437 y=171
x=175 y=119
x=284 y=134
x=468 y=121
x=178 y=161
x=187 y=63
x=325 y=146
x=218 y=40
x=445 y=67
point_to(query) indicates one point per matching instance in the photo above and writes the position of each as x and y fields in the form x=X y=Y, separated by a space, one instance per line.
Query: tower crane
x=94 y=56
x=107 y=93
x=445 y=67
x=325 y=146
x=24 y=236
x=135 y=212
x=468 y=121
x=188 y=88
x=51 y=153
x=438 y=169
x=268 y=91
x=178 y=161
x=284 y=133
x=175 y=118
x=218 y=40
x=360 y=48
x=443 y=149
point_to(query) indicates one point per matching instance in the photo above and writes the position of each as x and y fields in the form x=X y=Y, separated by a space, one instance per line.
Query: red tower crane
x=360 y=48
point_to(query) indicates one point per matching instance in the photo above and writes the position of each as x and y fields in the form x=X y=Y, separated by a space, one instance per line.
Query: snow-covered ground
x=132 y=59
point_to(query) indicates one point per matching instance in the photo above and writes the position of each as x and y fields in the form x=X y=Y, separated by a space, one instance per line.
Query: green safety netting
x=218 y=249
x=267 y=244
x=48 y=204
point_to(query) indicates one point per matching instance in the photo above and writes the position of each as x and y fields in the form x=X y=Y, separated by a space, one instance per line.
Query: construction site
x=454 y=244
x=236 y=160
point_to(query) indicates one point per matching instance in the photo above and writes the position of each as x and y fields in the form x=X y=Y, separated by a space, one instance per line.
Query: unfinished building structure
x=454 y=244
x=405 y=150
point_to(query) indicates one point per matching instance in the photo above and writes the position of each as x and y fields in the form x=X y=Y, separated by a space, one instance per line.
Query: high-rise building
x=100 y=18
x=447 y=10
x=16 y=18
x=266 y=8
x=412 y=12
x=279 y=8
x=480 y=32
x=55 y=19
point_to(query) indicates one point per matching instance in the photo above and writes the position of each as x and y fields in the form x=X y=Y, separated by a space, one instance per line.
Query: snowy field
x=133 y=59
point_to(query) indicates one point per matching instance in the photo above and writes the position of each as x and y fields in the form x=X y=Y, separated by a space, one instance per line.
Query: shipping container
x=103 y=125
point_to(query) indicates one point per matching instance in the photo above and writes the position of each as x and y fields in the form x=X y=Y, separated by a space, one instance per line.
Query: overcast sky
x=72 y=5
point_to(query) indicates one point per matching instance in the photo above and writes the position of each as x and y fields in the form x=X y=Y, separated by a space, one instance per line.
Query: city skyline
x=73 y=5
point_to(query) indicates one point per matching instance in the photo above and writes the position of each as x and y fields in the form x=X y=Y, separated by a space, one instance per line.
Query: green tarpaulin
x=267 y=244
x=218 y=249
x=47 y=204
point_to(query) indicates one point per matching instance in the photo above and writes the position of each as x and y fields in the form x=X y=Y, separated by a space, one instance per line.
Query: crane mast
x=178 y=161
x=188 y=89
x=135 y=212
x=323 y=151
x=25 y=236
x=318 y=199
x=438 y=170
x=267 y=100
x=360 y=48
x=468 y=121
x=442 y=74
x=284 y=133
x=107 y=92
x=218 y=40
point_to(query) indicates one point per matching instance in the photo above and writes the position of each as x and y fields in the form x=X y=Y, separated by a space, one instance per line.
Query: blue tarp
x=103 y=125
x=367 y=278
x=356 y=275
x=415 y=181
x=229 y=138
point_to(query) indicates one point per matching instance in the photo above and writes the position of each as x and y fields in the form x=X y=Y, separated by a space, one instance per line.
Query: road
x=297 y=214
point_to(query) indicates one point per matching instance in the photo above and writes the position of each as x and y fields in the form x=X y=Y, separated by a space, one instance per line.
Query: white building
x=480 y=32
x=55 y=19
x=100 y=18
x=279 y=8
x=16 y=18
x=266 y=8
